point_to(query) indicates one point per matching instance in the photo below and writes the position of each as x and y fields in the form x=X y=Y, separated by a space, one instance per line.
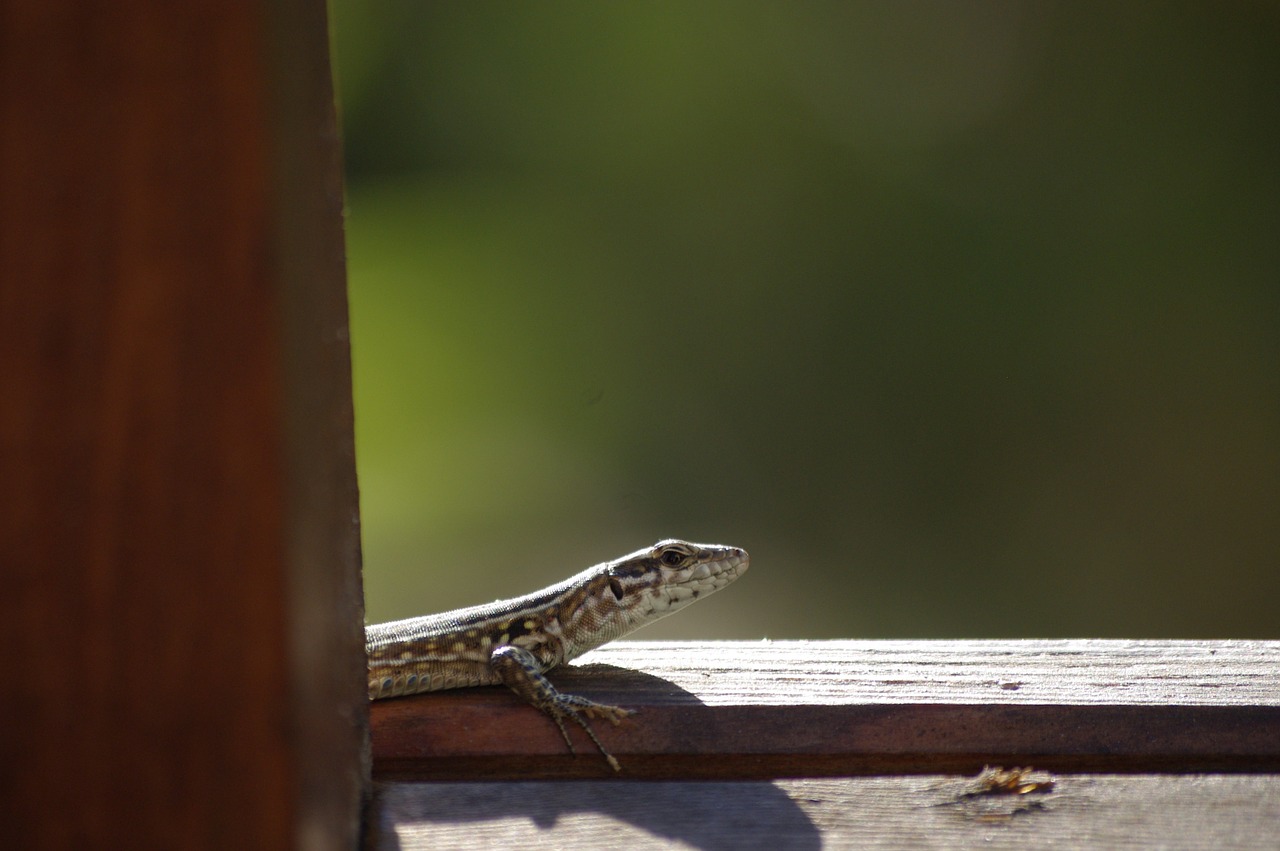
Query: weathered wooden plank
x=776 y=709
x=1105 y=672
x=904 y=812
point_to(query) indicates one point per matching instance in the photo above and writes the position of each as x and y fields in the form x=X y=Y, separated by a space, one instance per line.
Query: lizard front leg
x=521 y=672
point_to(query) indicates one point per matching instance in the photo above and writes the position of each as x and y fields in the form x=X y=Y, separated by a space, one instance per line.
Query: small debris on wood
x=1012 y=781
x=997 y=794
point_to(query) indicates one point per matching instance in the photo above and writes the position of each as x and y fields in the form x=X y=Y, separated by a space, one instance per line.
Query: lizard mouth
x=721 y=571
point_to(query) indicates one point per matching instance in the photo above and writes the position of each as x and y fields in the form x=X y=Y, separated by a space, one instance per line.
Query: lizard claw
x=612 y=714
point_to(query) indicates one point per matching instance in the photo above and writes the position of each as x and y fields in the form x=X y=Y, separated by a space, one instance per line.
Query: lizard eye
x=672 y=557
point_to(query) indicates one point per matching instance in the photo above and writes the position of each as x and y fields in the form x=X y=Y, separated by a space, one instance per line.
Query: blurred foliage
x=963 y=318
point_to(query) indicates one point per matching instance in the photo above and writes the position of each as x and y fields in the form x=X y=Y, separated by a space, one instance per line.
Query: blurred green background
x=963 y=318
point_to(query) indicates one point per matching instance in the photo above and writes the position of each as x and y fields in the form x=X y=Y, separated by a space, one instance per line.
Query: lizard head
x=649 y=584
x=672 y=574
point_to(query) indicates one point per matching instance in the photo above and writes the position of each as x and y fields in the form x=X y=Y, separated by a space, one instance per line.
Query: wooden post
x=181 y=610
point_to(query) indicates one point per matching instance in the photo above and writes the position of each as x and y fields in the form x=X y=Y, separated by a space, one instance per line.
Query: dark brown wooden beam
x=180 y=619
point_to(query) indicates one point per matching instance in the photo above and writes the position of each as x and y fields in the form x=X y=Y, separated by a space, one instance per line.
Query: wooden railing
x=851 y=743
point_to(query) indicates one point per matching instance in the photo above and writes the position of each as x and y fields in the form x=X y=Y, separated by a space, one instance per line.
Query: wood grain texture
x=152 y=430
x=326 y=598
x=914 y=812
x=778 y=709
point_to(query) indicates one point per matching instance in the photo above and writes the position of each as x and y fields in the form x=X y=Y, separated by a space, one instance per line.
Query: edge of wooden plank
x=329 y=702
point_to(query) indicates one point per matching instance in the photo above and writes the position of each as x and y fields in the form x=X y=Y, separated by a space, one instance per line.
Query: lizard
x=514 y=642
